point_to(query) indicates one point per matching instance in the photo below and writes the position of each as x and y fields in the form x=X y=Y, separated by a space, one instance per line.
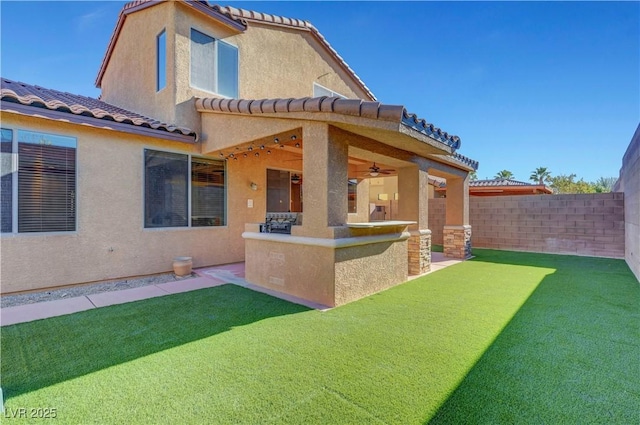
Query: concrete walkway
x=207 y=278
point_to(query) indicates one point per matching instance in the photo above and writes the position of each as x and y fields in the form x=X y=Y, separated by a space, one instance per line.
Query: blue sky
x=524 y=84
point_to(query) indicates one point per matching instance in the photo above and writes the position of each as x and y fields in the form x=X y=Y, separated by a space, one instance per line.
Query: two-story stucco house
x=210 y=118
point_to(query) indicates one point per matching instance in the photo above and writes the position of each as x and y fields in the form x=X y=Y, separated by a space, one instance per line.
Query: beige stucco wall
x=130 y=78
x=337 y=275
x=629 y=184
x=365 y=270
x=274 y=62
x=110 y=241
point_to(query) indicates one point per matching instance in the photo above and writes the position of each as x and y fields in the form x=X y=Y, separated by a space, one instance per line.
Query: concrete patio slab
x=207 y=278
x=188 y=285
x=127 y=295
x=43 y=310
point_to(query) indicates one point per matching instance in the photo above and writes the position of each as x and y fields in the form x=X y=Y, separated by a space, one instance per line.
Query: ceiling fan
x=375 y=171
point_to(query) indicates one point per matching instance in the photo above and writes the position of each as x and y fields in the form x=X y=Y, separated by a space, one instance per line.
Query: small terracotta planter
x=182 y=266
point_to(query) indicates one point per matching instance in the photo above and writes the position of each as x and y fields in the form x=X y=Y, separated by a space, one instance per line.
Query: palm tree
x=540 y=175
x=504 y=174
x=605 y=184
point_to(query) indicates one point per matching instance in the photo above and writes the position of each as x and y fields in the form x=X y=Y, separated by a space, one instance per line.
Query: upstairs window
x=214 y=65
x=319 y=91
x=161 y=55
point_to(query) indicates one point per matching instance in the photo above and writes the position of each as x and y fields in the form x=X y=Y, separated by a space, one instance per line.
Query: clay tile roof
x=430 y=130
x=499 y=182
x=354 y=107
x=466 y=160
x=337 y=105
x=40 y=97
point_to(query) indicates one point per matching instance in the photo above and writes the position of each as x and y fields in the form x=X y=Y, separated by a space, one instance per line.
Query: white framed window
x=38 y=182
x=183 y=191
x=319 y=91
x=161 y=57
x=214 y=65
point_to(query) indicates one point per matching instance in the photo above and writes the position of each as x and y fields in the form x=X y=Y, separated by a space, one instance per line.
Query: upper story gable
x=163 y=54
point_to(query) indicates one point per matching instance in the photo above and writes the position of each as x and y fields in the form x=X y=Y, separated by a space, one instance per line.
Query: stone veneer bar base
x=457 y=241
x=419 y=251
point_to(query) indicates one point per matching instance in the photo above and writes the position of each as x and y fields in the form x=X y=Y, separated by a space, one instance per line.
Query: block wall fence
x=629 y=184
x=581 y=224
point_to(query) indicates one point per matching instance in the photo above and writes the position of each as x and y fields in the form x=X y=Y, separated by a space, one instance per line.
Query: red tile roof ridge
x=33 y=95
x=501 y=182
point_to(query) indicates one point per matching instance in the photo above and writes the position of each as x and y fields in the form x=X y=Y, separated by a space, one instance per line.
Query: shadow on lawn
x=569 y=355
x=45 y=352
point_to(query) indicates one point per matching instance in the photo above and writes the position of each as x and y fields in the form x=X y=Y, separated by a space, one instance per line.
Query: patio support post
x=457 y=231
x=325 y=170
x=413 y=184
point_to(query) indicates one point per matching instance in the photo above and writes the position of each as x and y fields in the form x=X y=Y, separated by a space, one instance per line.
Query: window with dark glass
x=208 y=198
x=167 y=189
x=214 y=65
x=46 y=182
x=7 y=171
x=161 y=54
x=352 y=192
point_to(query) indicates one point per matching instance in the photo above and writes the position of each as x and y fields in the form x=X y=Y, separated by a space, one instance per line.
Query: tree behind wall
x=567 y=184
x=605 y=184
x=504 y=174
x=540 y=175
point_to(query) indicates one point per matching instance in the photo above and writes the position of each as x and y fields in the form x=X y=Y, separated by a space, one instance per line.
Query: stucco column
x=325 y=166
x=457 y=231
x=413 y=204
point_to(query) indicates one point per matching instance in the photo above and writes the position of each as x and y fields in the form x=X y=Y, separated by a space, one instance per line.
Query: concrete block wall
x=629 y=184
x=582 y=224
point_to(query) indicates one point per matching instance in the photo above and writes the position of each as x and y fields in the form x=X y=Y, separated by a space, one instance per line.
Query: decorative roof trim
x=466 y=161
x=265 y=18
x=430 y=130
x=36 y=111
x=137 y=5
x=354 y=107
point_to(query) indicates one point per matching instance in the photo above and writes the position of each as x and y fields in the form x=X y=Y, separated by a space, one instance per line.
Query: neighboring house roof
x=353 y=107
x=502 y=187
x=498 y=182
x=236 y=18
x=33 y=100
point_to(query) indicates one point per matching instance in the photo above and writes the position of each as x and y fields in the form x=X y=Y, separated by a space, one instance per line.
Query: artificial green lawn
x=504 y=338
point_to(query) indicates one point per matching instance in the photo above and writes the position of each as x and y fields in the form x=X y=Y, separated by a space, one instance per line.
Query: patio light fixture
x=254 y=186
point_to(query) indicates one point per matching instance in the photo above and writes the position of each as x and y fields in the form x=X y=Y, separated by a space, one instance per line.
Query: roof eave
x=54 y=115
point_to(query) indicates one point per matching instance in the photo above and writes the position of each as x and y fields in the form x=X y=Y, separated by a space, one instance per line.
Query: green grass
x=437 y=248
x=504 y=338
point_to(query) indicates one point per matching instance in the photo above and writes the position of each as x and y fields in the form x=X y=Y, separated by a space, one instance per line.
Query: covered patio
x=335 y=253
